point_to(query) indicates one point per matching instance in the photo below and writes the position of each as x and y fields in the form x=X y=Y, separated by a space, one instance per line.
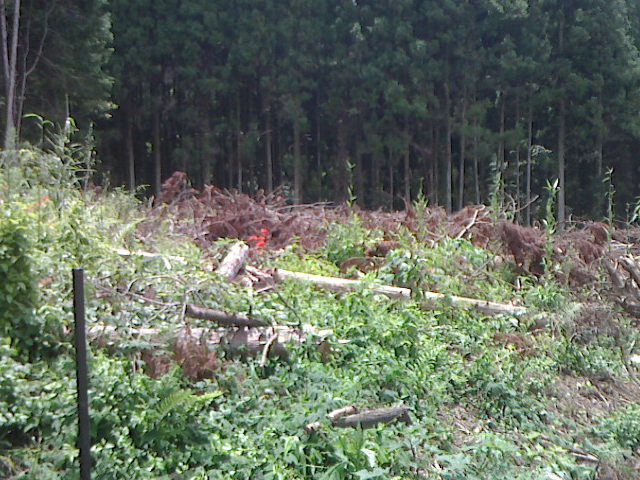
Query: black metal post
x=84 y=429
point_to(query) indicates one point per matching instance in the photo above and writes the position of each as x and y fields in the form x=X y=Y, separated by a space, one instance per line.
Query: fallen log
x=340 y=285
x=350 y=417
x=431 y=298
x=245 y=343
x=224 y=319
x=371 y=418
x=123 y=252
x=234 y=261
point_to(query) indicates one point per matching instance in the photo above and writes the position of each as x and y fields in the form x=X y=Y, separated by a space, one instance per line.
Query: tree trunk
x=157 y=156
x=462 y=150
x=269 y=152
x=517 y=146
x=130 y=154
x=28 y=69
x=239 y=143
x=561 y=161
x=447 y=150
x=359 y=175
x=391 y=189
x=297 y=157
x=561 y=134
x=407 y=175
x=10 y=58
x=600 y=141
x=342 y=182
x=501 y=147
x=476 y=172
x=318 y=138
x=436 y=167
x=377 y=183
x=207 y=152
x=528 y=180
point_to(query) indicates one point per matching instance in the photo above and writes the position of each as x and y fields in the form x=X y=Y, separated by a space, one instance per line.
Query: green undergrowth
x=489 y=397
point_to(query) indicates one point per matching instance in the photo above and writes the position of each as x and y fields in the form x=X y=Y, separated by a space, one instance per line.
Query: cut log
x=431 y=298
x=224 y=319
x=312 y=428
x=371 y=418
x=483 y=306
x=342 y=412
x=234 y=261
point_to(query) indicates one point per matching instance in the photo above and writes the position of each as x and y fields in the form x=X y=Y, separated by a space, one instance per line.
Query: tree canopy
x=378 y=101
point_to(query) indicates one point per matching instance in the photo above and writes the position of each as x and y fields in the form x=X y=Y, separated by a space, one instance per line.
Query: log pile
x=246 y=336
x=234 y=334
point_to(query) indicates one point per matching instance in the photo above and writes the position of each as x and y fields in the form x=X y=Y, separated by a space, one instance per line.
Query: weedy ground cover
x=551 y=395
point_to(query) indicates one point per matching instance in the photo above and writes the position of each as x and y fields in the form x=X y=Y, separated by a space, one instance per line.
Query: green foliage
x=445 y=268
x=18 y=294
x=349 y=240
x=623 y=427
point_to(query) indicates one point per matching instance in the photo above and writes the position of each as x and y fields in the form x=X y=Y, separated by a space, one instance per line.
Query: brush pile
x=581 y=253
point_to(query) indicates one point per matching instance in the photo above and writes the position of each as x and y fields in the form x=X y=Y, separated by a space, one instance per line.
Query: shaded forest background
x=368 y=100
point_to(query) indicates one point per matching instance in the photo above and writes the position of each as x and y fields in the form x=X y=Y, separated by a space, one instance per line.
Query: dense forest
x=335 y=100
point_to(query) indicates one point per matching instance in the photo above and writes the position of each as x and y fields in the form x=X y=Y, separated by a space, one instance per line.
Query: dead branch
x=616 y=278
x=631 y=267
x=224 y=319
x=234 y=261
x=267 y=349
x=464 y=231
x=431 y=298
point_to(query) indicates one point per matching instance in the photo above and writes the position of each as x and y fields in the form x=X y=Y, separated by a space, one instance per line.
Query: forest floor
x=548 y=389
